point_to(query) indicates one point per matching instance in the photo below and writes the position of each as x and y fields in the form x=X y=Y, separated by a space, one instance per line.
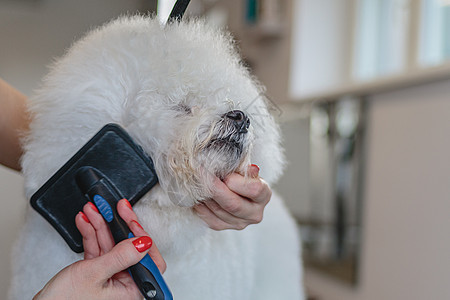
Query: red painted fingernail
x=93 y=206
x=253 y=171
x=143 y=243
x=134 y=221
x=128 y=203
x=84 y=217
x=255 y=166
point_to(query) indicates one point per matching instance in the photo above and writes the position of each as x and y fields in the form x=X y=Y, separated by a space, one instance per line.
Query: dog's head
x=192 y=142
x=180 y=91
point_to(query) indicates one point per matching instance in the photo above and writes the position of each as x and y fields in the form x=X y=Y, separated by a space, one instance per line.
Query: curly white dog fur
x=173 y=89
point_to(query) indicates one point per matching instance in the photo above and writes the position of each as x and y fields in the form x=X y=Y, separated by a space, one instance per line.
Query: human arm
x=14 y=121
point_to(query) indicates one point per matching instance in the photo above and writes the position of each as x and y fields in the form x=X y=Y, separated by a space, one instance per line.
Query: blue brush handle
x=145 y=274
x=148 y=266
x=101 y=192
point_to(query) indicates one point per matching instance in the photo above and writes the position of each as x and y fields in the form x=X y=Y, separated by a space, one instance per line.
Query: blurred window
x=434 y=42
x=381 y=38
x=340 y=43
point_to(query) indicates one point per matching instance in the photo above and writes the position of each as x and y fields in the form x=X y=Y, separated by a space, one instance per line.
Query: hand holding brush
x=101 y=274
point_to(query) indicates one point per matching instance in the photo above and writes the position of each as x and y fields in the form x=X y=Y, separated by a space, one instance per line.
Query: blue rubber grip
x=150 y=265
x=104 y=208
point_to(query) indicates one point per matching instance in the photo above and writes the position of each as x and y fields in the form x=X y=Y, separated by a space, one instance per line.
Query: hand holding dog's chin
x=238 y=201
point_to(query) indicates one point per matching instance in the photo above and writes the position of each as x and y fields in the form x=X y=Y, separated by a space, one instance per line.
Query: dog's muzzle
x=239 y=119
x=232 y=132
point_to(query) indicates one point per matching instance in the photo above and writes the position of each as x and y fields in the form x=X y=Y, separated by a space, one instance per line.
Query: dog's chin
x=218 y=160
x=226 y=145
x=224 y=156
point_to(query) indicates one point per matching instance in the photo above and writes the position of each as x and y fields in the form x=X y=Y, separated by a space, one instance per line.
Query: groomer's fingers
x=252 y=187
x=104 y=236
x=236 y=204
x=90 y=243
x=126 y=212
x=125 y=254
x=235 y=222
x=129 y=216
x=213 y=221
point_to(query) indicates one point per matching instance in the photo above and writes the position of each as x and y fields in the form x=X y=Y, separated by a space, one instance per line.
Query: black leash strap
x=178 y=10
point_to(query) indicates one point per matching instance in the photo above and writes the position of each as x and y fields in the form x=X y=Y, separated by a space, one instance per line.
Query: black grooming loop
x=178 y=10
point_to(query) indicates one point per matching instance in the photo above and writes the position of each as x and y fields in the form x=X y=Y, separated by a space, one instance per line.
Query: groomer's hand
x=237 y=201
x=101 y=274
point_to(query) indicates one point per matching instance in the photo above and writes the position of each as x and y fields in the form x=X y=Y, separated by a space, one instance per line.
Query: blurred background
x=361 y=89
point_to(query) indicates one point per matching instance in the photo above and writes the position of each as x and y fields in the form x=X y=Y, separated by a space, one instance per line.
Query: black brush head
x=114 y=154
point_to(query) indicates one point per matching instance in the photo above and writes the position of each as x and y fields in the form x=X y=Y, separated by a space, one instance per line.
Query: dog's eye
x=183 y=108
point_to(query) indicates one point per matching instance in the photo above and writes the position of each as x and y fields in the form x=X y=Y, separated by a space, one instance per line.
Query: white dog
x=182 y=93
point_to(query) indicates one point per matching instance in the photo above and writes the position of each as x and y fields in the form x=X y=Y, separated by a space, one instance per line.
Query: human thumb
x=124 y=255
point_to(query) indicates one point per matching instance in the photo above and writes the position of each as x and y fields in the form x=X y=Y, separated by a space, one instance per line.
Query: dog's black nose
x=241 y=121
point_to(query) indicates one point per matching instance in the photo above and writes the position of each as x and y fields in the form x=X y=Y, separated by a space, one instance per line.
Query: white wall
x=321 y=42
x=406 y=219
x=31 y=34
